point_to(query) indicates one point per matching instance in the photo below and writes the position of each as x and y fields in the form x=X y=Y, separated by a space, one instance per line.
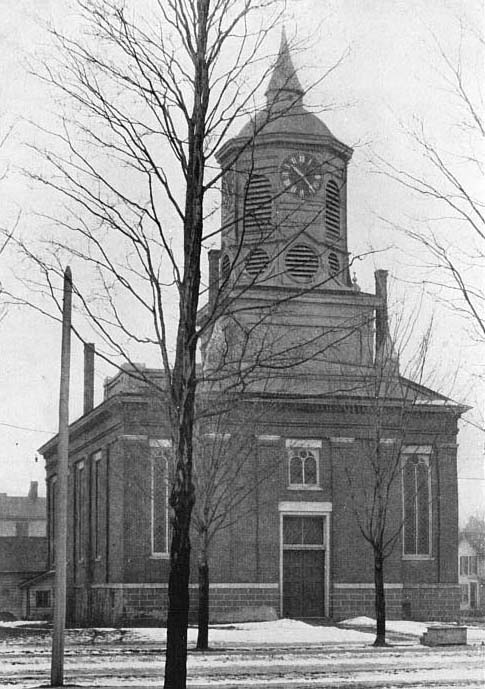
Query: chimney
x=33 y=490
x=88 y=377
x=214 y=257
x=382 y=325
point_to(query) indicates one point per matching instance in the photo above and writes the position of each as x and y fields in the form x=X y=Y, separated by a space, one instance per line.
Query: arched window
x=303 y=467
x=333 y=264
x=332 y=210
x=258 y=204
x=301 y=262
x=416 y=503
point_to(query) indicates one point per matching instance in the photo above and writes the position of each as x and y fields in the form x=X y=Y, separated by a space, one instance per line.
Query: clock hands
x=303 y=177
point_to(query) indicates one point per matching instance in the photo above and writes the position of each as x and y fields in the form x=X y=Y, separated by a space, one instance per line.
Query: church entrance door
x=303 y=566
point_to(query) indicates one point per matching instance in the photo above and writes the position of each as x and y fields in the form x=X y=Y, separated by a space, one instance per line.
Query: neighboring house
x=471 y=575
x=294 y=544
x=23 y=550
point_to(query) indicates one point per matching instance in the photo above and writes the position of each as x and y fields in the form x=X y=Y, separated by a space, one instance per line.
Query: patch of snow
x=475 y=635
x=283 y=631
x=24 y=623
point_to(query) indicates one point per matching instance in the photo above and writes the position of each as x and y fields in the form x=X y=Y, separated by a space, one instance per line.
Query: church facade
x=319 y=416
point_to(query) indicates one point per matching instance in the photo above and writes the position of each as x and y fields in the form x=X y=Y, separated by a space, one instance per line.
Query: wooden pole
x=59 y=621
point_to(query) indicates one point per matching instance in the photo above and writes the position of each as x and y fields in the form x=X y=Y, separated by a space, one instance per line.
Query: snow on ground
x=475 y=634
x=285 y=632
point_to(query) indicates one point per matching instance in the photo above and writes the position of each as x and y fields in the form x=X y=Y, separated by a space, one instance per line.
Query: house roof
x=19 y=507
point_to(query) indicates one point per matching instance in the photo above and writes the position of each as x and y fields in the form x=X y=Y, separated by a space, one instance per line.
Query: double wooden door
x=303 y=583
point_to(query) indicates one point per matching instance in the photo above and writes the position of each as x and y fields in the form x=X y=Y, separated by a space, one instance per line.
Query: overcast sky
x=391 y=75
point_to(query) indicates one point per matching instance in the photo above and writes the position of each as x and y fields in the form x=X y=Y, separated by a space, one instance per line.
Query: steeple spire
x=284 y=84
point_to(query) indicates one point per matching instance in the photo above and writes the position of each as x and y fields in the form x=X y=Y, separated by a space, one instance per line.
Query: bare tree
x=150 y=100
x=377 y=482
x=226 y=475
x=448 y=177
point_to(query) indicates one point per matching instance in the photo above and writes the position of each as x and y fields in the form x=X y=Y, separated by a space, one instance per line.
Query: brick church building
x=318 y=397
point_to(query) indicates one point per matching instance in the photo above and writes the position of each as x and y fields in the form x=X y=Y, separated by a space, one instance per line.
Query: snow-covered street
x=285 y=653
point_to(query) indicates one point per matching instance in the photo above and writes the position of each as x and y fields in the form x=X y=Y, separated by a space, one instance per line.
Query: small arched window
x=258 y=205
x=303 y=468
x=333 y=264
x=332 y=210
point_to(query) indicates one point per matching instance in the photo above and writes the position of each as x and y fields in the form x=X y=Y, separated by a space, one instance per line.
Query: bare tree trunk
x=380 y=600
x=178 y=597
x=203 y=618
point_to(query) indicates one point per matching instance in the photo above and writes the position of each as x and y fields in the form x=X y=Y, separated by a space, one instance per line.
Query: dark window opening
x=303 y=468
x=299 y=530
x=22 y=529
x=159 y=529
x=417 y=504
x=42 y=599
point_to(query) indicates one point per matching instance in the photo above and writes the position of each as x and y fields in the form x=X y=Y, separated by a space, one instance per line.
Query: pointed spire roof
x=284 y=83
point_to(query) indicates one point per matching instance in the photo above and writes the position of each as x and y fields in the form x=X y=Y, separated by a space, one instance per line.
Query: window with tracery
x=159 y=456
x=303 y=467
x=416 y=503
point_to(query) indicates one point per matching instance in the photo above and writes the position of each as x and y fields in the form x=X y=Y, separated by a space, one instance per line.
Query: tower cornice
x=234 y=146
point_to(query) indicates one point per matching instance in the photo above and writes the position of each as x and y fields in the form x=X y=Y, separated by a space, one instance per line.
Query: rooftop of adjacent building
x=25 y=507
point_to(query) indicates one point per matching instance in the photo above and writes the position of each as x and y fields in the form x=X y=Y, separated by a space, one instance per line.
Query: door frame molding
x=314 y=509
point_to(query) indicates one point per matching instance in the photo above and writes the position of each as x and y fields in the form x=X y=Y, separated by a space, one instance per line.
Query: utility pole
x=59 y=622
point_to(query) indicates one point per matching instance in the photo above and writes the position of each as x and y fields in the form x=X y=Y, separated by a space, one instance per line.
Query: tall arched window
x=416 y=503
x=332 y=210
x=258 y=204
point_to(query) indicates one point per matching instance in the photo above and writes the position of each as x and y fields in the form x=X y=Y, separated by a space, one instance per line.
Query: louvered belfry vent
x=258 y=204
x=256 y=262
x=225 y=268
x=332 y=210
x=333 y=264
x=301 y=262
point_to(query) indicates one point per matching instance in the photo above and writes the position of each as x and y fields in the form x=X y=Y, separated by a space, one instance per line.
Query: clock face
x=301 y=174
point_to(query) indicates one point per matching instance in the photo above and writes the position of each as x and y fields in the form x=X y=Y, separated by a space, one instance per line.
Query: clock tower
x=285 y=196
x=284 y=252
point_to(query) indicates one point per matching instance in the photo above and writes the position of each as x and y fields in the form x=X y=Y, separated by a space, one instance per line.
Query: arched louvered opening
x=332 y=210
x=256 y=262
x=301 y=262
x=225 y=268
x=258 y=204
x=333 y=264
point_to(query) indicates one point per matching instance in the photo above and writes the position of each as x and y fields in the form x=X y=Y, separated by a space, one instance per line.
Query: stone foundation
x=146 y=604
x=354 y=600
x=432 y=601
